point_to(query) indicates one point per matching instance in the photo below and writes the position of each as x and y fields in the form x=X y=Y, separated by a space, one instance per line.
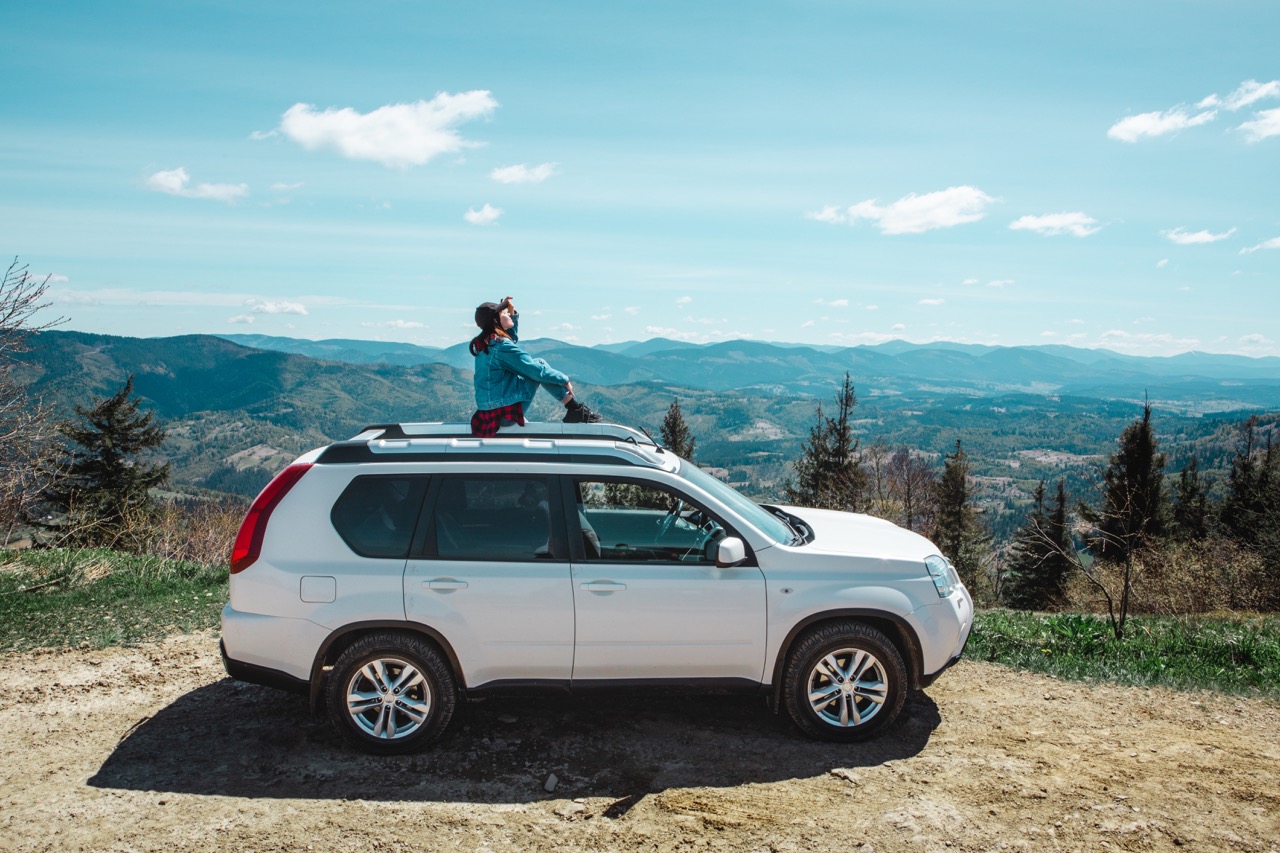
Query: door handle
x=445 y=584
x=603 y=586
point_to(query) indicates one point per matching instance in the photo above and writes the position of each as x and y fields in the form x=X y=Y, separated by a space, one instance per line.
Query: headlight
x=943 y=574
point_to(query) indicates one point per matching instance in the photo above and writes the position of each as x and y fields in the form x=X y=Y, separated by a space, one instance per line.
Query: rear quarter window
x=375 y=514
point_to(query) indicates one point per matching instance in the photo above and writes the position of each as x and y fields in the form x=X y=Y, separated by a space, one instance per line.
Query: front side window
x=493 y=518
x=633 y=522
x=375 y=514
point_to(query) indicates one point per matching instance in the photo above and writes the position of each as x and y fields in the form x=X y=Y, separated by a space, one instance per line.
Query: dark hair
x=480 y=343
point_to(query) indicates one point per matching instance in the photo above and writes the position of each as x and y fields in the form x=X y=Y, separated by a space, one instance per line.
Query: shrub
x=1182 y=578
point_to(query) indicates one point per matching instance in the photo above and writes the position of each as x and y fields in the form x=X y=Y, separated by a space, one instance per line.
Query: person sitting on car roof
x=507 y=377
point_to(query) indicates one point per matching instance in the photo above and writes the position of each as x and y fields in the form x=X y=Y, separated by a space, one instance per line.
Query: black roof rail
x=534 y=429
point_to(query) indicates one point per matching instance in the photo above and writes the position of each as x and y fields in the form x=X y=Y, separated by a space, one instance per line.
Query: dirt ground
x=152 y=748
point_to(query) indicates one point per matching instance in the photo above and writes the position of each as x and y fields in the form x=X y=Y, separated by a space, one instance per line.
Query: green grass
x=1230 y=654
x=93 y=598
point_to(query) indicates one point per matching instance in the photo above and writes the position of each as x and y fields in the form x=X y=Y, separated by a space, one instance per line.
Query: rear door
x=487 y=573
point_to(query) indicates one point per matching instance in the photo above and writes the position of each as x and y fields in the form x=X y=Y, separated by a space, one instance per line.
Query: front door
x=650 y=601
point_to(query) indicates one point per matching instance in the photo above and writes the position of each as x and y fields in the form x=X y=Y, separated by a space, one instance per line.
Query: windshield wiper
x=797 y=538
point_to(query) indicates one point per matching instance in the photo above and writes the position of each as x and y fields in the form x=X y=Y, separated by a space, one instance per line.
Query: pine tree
x=1134 y=506
x=1036 y=576
x=1191 y=503
x=1251 y=511
x=829 y=474
x=676 y=435
x=960 y=534
x=105 y=485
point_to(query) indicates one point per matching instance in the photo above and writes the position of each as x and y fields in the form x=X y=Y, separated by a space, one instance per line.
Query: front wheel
x=844 y=681
x=391 y=693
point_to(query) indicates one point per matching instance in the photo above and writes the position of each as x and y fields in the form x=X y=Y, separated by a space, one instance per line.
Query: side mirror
x=732 y=551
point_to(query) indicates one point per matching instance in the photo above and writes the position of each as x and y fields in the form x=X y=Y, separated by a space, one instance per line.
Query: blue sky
x=1087 y=173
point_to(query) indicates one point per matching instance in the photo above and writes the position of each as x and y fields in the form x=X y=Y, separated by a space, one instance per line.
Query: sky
x=1096 y=174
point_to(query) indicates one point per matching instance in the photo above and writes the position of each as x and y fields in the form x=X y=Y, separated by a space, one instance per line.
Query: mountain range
x=1193 y=381
x=236 y=414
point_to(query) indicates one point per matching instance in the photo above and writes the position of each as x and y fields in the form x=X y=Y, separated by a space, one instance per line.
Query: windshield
x=767 y=523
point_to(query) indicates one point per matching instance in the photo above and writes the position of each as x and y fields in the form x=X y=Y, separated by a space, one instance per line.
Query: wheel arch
x=342 y=639
x=897 y=629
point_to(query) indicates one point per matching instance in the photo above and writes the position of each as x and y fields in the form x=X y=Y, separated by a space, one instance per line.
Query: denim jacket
x=507 y=374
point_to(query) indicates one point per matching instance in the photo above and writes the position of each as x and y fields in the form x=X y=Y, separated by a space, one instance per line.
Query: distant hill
x=1191 y=382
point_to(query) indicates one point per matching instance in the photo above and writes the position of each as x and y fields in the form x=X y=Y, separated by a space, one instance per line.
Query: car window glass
x=633 y=522
x=493 y=518
x=375 y=515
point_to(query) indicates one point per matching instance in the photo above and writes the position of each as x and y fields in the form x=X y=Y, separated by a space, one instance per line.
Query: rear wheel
x=391 y=693
x=844 y=681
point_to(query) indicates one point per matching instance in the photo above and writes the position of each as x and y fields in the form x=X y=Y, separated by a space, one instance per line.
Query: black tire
x=844 y=681
x=372 y=712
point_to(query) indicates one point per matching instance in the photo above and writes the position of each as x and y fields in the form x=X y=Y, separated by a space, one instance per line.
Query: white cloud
x=241 y=318
x=872 y=308
x=899 y=327
x=831 y=213
x=395 y=324
x=276 y=306
x=1183 y=237
x=689 y=337
x=1257 y=343
x=486 y=215
x=1162 y=263
x=1001 y=282
x=1133 y=128
x=1273 y=243
x=263 y=134
x=970 y=281
x=522 y=174
x=177 y=182
x=396 y=135
x=1250 y=92
x=281 y=186
x=914 y=214
x=1265 y=125
x=1077 y=224
x=600 y=318
x=683 y=300
x=933 y=302
x=632 y=310
x=1048 y=334
x=833 y=303
x=1147 y=342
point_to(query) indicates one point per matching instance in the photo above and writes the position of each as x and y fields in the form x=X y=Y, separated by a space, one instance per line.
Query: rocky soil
x=152 y=748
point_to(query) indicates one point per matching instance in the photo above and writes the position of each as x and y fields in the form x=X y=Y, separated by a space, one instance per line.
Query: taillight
x=249 y=539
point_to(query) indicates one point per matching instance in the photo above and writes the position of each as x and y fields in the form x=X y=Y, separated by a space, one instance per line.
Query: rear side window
x=375 y=514
x=494 y=518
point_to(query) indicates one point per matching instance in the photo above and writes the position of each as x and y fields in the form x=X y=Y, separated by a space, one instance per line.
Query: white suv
x=391 y=575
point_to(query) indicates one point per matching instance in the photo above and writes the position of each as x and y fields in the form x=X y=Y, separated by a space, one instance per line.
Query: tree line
x=1148 y=536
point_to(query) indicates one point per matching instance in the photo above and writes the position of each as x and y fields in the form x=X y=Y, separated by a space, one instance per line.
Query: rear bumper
x=267 y=677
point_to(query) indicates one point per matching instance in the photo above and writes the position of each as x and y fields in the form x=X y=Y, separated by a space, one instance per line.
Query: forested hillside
x=235 y=414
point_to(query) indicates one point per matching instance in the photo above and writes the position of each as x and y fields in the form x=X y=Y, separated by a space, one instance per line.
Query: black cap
x=487 y=315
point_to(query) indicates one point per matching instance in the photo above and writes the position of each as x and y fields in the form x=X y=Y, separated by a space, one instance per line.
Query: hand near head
x=507 y=303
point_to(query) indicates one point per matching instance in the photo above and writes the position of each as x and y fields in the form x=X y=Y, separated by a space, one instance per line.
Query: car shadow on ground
x=241 y=740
